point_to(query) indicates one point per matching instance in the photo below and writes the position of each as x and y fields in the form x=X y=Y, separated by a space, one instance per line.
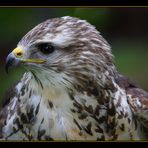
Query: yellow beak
x=18 y=52
x=39 y=61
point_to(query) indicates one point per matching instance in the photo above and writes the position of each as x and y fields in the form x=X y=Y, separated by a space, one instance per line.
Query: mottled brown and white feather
x=77 y=94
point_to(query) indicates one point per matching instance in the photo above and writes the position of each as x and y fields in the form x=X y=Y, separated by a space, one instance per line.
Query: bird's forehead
x=58 y=30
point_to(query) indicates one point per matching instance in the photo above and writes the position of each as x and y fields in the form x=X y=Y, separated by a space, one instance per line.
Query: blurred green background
x=126 y=29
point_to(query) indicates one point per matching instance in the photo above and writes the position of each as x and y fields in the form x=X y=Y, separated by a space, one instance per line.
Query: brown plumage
x=72 y=90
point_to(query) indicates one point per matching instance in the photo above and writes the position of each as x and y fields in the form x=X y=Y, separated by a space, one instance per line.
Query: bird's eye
x=46 y=48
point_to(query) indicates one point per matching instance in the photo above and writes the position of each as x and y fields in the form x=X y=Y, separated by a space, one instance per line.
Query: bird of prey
x=71 y=90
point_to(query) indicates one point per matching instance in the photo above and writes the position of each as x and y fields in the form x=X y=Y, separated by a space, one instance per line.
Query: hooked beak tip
x=10 y=60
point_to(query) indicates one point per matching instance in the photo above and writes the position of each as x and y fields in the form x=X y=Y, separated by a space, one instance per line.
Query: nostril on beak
x=19 y=54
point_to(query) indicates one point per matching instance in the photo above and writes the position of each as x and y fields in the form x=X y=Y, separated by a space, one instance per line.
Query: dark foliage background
x=126 y=29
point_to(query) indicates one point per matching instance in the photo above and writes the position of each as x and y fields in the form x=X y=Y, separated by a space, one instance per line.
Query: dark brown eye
x=46 y=48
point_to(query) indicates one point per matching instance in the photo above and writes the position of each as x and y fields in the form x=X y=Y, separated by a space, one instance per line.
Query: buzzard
x=71 y=90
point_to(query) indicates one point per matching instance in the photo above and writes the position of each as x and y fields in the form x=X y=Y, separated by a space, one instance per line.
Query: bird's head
x=65 y=46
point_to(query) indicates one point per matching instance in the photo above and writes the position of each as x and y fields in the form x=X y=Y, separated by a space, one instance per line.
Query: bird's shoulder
x=137 y=99
x=10 y=93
